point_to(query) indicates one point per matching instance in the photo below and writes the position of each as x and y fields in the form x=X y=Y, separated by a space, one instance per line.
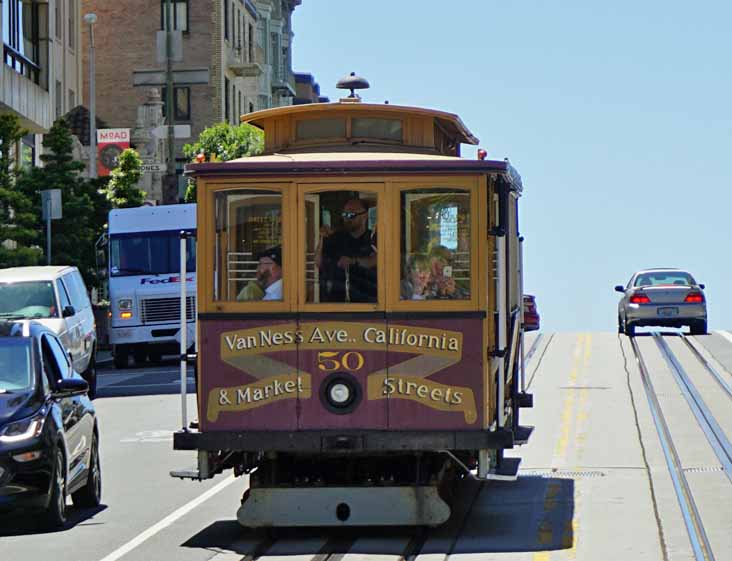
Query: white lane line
x=726 y=334
x=167 y=521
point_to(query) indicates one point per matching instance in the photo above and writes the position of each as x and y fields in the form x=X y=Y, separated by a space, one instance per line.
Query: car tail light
x=694 y=298
x=639 y=298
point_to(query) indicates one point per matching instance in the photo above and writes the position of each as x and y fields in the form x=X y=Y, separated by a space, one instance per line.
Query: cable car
x=359 y=316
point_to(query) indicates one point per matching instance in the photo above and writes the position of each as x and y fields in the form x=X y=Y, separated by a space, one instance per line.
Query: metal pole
x=92 y=104
x=183 y=332
x=169 y=99
x=48 y=231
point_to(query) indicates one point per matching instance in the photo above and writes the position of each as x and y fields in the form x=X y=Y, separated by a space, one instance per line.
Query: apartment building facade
x=242 y=49
x=41 y=74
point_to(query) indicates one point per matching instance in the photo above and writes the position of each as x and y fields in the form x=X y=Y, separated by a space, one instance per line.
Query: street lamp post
x=91 y=19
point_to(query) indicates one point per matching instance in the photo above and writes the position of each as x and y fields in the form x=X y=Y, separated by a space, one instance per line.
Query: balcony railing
x=22 y=65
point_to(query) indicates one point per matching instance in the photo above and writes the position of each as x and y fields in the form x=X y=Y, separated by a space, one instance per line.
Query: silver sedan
x=662 y=297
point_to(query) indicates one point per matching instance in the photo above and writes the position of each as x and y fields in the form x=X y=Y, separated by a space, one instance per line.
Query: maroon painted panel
x=268 y=375
x=332 y=350
x=248 y=377
x=441 y=387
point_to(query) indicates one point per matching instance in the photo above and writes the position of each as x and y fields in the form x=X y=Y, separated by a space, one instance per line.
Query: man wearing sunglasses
x=348 y=260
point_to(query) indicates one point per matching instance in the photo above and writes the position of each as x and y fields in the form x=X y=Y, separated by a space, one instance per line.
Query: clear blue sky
x=616 y=114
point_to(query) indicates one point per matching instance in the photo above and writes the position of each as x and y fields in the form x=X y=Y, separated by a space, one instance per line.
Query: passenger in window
x=347 y=258
x=414 y=286
x=268 y=285
x=442 y=283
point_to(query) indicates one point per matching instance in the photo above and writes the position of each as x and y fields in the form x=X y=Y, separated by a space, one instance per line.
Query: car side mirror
x=68 y=311
x=702 y=286
x=71 y=386
x=619 y=288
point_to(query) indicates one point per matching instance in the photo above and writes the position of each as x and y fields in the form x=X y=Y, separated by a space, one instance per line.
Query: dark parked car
x=49 y=441
x=531 y=315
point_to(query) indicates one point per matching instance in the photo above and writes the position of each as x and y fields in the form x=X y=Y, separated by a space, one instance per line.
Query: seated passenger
x=268 y=285
x=414 y=286
x=347 y=258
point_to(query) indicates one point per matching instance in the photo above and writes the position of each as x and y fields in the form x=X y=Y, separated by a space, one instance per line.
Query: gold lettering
x=224 y=397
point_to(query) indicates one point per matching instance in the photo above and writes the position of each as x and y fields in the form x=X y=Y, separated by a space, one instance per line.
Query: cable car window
x=382 y=129
x=435 y=244
x=248 y=258
x=309 y=129
x=340 y=247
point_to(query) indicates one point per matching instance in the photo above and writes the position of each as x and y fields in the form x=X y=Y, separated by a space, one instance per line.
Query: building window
x=72 y=24
x=181 y=103
x=250 y=44
x=59 y=99
x=72 y=99
x=59 y=19
x=239 y=103
x=226 y=100
x=251 y=107
x=21 y=37
x=28 y=151
x=226 y=19
x=178 y=14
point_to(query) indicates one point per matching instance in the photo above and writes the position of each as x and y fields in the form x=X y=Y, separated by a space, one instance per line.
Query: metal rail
x=714 y=433
x=726 y=388
x=694 y=526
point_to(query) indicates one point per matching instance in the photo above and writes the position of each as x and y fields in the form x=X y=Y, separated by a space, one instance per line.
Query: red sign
x=110 y=144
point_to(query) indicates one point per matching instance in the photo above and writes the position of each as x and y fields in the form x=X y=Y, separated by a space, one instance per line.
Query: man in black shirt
x=348 y=258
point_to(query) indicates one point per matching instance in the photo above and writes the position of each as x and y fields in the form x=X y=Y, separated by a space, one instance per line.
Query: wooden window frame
x=475 y=187
x=352 y=184
x=206 y=220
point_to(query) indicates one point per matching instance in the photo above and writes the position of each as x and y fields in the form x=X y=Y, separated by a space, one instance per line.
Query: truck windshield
x=34 y=300
x=149 y=253
x=15 y=365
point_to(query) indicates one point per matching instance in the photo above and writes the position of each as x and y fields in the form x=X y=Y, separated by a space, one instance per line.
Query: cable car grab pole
x=183 y=332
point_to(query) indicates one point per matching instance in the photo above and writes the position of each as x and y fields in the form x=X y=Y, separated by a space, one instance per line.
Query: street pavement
x=594 y=484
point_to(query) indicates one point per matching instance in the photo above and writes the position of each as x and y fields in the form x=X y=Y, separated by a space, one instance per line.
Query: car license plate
x=666 y=312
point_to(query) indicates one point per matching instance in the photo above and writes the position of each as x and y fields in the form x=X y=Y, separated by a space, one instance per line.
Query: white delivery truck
x=144 y=281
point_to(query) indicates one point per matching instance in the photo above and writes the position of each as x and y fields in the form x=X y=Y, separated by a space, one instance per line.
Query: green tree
x=122 y=190
x=221 y=143
x=75 y=234
x=18 y=224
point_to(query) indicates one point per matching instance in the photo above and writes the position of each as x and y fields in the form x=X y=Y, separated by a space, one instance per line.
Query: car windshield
x=149 y=253
x=658 y=278
x=15 y=365
x=33 y=300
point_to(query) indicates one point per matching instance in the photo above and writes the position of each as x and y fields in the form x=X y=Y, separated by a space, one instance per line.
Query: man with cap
x=269 y=277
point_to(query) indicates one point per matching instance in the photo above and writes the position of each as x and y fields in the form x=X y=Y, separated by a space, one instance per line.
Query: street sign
x=182 y=77
x=179 y=131
x=161 y=50
x=156 y=167
x=51 y=201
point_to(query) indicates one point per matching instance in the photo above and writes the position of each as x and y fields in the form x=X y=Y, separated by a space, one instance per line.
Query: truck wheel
x=155 y=356
x=121 y=357
x=139 y=355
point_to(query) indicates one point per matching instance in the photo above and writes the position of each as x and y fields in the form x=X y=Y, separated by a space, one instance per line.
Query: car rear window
x=664 y=278
x=15 y=365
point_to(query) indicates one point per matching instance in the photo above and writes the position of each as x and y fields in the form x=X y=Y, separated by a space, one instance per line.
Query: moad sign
x=110 y=144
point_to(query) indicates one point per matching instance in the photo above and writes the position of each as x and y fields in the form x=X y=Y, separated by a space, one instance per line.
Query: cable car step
x=190 y=473
x=521 y=434
x=524 y=399
x=506 y=471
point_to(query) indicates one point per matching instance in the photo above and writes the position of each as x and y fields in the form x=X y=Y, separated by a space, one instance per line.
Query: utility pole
x=170 y=195
x=91 y=19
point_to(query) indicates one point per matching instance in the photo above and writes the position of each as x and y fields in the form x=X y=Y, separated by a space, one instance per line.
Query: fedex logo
x=171 y=279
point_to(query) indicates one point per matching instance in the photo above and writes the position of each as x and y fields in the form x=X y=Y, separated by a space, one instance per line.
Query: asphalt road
x=594 y=481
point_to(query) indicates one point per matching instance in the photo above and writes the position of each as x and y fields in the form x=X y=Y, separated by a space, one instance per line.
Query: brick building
x=245 y=45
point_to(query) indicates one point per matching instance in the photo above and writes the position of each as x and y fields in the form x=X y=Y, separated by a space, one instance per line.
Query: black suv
x=49 y=441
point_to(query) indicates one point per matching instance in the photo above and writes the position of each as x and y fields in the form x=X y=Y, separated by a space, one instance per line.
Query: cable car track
x=714 y=434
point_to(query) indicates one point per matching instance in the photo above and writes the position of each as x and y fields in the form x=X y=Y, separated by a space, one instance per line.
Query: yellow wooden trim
x=206 y=227
x=381 y=209
x=396 y=187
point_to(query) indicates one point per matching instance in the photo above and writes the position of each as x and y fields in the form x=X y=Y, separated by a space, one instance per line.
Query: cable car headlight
x=340 y=393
